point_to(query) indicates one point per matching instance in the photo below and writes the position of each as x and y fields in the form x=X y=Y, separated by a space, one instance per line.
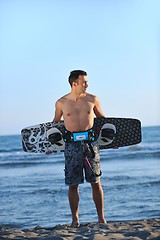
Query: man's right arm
x=57 y=117
x=58 y=112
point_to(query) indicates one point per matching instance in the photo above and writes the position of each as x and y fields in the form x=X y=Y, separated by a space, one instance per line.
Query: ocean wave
x=20 y=159
x=122 y=182
x=151 y=183
x=130 y=155
x=21 y=154
x=11 y=150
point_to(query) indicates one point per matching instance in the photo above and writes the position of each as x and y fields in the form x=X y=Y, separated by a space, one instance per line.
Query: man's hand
x=49 y=152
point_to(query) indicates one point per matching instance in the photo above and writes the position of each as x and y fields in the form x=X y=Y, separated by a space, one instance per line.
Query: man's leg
x=98 y=198
x=73 y=196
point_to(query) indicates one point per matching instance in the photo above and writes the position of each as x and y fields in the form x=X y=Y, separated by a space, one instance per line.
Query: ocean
x=33 y=193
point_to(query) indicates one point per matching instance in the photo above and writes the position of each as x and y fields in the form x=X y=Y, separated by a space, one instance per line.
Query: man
x=78 y=109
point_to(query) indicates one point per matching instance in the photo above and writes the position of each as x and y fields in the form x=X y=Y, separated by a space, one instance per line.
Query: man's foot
x=102 y=221
x=75 y=224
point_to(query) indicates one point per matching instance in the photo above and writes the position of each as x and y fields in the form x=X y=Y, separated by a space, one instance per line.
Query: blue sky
x=41 y=41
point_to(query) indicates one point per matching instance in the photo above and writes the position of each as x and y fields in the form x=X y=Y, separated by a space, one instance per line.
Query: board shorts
x=76 y=165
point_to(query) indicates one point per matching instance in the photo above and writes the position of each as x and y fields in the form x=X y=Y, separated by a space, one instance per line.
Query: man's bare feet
x=102 y=221
x=75 y=224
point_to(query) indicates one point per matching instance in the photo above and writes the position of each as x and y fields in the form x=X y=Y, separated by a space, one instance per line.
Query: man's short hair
x=74 y=75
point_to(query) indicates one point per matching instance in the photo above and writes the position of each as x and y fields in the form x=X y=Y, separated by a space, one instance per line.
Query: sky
x=115 y=41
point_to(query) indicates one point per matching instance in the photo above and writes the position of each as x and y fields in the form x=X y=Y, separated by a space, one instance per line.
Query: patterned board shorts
x=76 y=164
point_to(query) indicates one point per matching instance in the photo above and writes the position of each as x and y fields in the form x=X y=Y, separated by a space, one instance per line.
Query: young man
x=78 y=109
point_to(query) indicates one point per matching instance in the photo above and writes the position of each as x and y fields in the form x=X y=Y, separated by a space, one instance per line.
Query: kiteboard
x=108 y=132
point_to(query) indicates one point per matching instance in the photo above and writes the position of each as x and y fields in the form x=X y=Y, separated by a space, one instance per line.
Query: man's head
x=74 y=75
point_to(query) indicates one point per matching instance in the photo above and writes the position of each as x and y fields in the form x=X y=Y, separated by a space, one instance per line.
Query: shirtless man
x=77 y=109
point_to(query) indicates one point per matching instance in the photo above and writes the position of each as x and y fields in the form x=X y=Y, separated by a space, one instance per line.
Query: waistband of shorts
x=69 y=137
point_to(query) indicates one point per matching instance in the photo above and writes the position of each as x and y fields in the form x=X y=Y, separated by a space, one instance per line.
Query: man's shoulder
x=61 y=101
x=63 y=98
x=91 y=96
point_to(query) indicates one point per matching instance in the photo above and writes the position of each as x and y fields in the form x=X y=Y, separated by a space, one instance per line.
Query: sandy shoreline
x=140 y=229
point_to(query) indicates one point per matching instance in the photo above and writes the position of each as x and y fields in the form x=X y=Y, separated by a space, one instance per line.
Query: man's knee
x=73 y=188
x=96 y=186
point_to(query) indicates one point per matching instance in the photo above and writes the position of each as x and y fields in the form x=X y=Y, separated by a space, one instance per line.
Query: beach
x=141 y=229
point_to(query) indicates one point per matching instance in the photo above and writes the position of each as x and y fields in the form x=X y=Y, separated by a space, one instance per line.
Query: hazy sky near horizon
x=41 y=41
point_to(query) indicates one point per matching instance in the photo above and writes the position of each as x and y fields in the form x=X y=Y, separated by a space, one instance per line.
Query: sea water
x=32 y=189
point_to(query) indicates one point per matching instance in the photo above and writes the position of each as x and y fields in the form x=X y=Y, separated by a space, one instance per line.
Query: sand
x=141 y=229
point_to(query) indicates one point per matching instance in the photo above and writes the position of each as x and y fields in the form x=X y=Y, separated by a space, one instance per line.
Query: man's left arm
x=97 y=109
x=98 y=112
